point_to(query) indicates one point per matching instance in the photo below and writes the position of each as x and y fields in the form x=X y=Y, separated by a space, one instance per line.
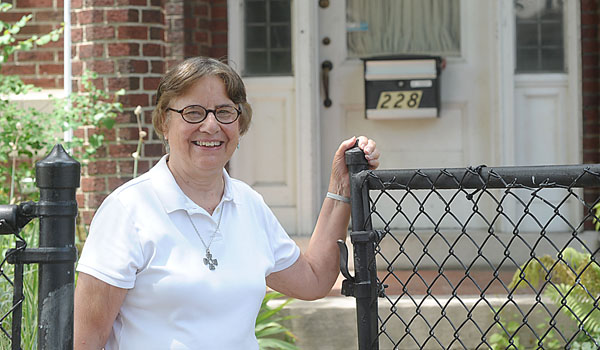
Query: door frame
x=305 y=57
x=507 y=79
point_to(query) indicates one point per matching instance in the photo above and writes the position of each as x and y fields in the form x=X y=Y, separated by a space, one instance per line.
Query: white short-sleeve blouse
x=141 y=239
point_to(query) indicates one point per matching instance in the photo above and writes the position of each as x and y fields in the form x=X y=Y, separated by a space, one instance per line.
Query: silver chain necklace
x=208 y=260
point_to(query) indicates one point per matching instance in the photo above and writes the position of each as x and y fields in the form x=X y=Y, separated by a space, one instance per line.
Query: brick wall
x=590 y=88
x=130 y=44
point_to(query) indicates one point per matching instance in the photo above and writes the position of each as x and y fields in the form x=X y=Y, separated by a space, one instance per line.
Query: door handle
x=326 y=67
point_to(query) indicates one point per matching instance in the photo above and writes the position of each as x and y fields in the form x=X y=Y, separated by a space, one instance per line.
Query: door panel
x=460 y=136
x=266 y=158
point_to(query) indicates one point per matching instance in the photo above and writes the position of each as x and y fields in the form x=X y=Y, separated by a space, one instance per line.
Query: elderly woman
x=180 y=257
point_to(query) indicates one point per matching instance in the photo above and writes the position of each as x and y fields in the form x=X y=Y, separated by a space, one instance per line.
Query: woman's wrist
x=338 y=197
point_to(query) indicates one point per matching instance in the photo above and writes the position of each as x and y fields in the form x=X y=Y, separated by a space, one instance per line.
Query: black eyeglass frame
x=214 y=112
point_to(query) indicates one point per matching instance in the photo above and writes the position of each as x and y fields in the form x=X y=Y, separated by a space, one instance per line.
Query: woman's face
x=205 y=146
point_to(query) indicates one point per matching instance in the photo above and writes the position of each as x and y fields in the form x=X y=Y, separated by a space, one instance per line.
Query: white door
x=463 y=134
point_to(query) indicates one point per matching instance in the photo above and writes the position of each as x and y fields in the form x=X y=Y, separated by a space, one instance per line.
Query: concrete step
x=443 y=323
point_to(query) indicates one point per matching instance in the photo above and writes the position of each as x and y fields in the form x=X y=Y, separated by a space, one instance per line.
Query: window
x=395 y=27
x=540 y=36
x=268 y=43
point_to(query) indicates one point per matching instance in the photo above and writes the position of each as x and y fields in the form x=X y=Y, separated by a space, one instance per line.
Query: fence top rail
x=567 y=176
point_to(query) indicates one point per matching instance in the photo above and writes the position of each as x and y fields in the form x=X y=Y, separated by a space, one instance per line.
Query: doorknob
x=326 y=67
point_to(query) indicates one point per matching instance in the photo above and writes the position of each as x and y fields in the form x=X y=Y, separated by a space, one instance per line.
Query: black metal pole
x=57 y=177
x=365 y=269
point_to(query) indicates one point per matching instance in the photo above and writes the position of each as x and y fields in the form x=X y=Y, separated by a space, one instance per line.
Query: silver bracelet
x=337 y=197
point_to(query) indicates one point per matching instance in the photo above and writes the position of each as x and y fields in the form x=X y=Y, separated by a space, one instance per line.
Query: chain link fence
x=474 y=258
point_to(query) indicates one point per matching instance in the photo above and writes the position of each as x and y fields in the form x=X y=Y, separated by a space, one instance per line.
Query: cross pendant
x=209 y=261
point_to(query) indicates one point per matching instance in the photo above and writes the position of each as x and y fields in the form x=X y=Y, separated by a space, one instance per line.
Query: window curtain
x=393 y=27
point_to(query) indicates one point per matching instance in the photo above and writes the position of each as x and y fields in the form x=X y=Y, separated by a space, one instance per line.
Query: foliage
x=271 y=334
x=8 y=42
x=572 y=283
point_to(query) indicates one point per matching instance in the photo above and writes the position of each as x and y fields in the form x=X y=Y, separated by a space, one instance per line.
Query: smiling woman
x=180 y=257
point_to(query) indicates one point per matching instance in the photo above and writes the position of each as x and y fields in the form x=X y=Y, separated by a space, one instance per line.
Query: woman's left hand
x=340 y=182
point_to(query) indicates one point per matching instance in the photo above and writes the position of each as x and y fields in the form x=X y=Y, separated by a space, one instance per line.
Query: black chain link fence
x=475 y=258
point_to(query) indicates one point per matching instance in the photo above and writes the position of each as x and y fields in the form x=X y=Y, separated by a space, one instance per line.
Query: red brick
x=133 y=32
x=131 y=133
x=157 y=67
x=33 y=3
x=219 y=39
x=590 y=100
x=102 y=167
x=152 y=16
x=132 y=3
x=100 y=67
x=152 y=50
x=98 y=3
x=93 y=184
x=32 y=29
x=201 y=37
x=127 y=83
x=114 y=182
x=76 y=35
x=133 y=100
x=99 y=32
x=86 y=216
x=48 y=83
x=80 y=198
x=218 y=52
x=157 y=33
x=90 y=16
x=133 y=66
x=52 y=69
x=95 y=199
x=590 y=59
x=219 y=25
x=91 y=50
x=143 y=166
x=122 y=15
x=126 y=167
x=126 y=117
x=589 y=46
x=13 y=15
x=590 y=86
x=123 y=49
x=201 y=10
x=590 y=32
x=589 y=5
x=151 y=83
x=218 y=11
x=121 y=150
x=589 y=18
x=153 y=149
x=18 y=69
x=77 y=68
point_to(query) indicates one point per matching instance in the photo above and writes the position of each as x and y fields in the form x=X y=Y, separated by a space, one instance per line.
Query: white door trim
x=305 y=39
x=306 y=89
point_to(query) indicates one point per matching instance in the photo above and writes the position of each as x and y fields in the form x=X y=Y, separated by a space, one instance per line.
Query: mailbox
x=402 y=87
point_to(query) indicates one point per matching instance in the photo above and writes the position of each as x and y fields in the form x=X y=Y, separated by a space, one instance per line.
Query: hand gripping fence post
x=363 y=286
x=57 y=177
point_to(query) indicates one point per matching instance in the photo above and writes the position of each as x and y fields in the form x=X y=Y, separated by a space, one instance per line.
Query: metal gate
x=57 y=178
x=474 y=258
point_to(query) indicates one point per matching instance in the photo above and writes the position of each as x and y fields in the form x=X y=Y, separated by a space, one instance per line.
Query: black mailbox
x=402 y=87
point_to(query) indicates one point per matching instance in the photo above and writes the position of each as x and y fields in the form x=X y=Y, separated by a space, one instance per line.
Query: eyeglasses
x=195 y=114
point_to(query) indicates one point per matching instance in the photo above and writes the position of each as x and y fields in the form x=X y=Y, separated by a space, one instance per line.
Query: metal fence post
x=57 y=177
x=365 y=280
